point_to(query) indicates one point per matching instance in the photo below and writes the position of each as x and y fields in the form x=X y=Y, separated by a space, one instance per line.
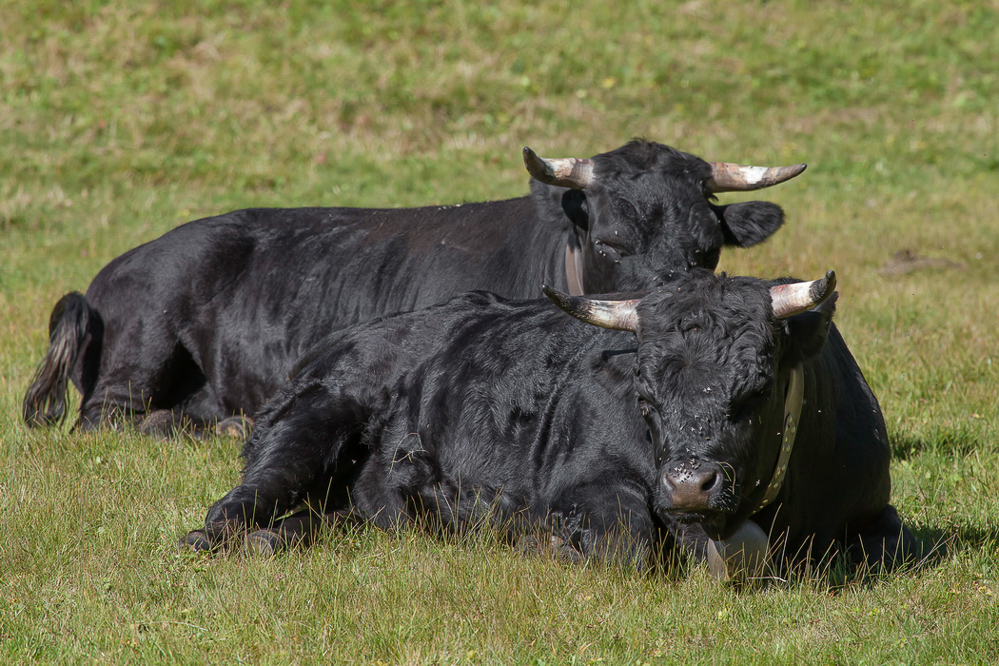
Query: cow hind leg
x=164 y=423
x=885 y=544
x=157 y=387
x=238 y=426
x=168 y=423
x=130 y=391
x=176 y=400
x=202 y=414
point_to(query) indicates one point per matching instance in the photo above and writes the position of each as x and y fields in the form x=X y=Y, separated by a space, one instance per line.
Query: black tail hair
x=72 y=326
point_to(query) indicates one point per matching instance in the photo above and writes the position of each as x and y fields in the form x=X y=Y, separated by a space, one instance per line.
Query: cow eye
x=610 y=250
x=644 y=406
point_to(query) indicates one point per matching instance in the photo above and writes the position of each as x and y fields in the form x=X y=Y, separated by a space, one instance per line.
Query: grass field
x=120 y=120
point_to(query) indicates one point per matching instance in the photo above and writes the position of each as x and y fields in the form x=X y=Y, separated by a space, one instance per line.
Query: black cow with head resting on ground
x=721 y=409
x=205 y=322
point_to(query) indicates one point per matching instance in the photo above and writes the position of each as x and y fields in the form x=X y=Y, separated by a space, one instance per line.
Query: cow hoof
x=553 y=547
x=565 y=551
x=264 y=543
x=160 y=423
x=196 y=541
x=529 y=544
x=235 y=426
x=741 y=556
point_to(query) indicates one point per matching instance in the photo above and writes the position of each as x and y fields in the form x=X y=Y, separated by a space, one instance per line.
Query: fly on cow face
x=713 y=366
x=659 y=211
x=705 y=380
x=645 y=210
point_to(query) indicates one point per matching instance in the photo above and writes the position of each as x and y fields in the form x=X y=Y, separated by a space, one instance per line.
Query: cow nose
x=693 y=489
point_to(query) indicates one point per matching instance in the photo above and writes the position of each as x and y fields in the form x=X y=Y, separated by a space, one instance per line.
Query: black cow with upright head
x=678 y=426
x=207 y=320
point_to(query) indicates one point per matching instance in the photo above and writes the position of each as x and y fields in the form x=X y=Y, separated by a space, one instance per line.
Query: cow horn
x=727 y=177
x=618 y=315
x=568 y=172
x=797 y=297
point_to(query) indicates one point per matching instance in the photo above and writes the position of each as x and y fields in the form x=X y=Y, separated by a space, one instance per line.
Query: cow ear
x=748 y=223
x=574 y=205
x=809 y=330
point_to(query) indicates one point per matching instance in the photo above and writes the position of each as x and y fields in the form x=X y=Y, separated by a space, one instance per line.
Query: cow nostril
x=711 y=481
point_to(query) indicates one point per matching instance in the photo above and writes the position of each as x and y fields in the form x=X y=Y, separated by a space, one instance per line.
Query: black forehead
x=720 y=313
x=639 y=157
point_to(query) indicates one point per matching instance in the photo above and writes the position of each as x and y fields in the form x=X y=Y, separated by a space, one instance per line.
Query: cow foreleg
x=291 y=459
x=299 y=529
x=243 y=517
x=618 y=529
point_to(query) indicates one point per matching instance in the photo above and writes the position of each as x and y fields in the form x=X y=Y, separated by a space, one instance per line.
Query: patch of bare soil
x=907 y=261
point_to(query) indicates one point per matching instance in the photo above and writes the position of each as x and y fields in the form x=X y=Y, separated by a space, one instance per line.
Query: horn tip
x=572 y=306
x=821 y=289
x=554 y=295
x=537 y=167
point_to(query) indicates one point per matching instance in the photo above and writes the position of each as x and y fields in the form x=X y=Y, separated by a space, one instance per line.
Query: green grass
x=120 y=120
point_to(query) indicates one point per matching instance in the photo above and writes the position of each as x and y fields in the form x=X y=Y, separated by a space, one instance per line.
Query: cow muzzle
x=696 y=488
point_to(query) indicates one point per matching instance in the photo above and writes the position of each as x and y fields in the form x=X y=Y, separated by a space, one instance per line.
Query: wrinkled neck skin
x=835 y=465
x=584 y=271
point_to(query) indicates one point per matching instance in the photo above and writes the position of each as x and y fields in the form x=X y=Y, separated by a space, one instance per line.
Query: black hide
x=483 y=403
x=208 y=319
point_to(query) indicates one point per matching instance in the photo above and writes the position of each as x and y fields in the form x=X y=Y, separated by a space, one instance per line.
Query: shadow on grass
x=938 y=543
x=960 y=442
x=954 y=533
x=957 y=537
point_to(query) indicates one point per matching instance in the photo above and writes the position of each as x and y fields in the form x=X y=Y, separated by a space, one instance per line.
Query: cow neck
x=574 y=266
x=792 y=414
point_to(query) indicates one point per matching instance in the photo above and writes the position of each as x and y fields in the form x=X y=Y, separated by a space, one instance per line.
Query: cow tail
x=74 y=323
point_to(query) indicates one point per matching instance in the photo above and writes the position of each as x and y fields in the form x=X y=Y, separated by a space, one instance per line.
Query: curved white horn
x=569 y=172
x=619 y=315
x=727 y=177
x=797 y=297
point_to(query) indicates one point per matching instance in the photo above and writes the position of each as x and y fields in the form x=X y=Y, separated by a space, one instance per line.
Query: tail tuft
x=69 y=333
